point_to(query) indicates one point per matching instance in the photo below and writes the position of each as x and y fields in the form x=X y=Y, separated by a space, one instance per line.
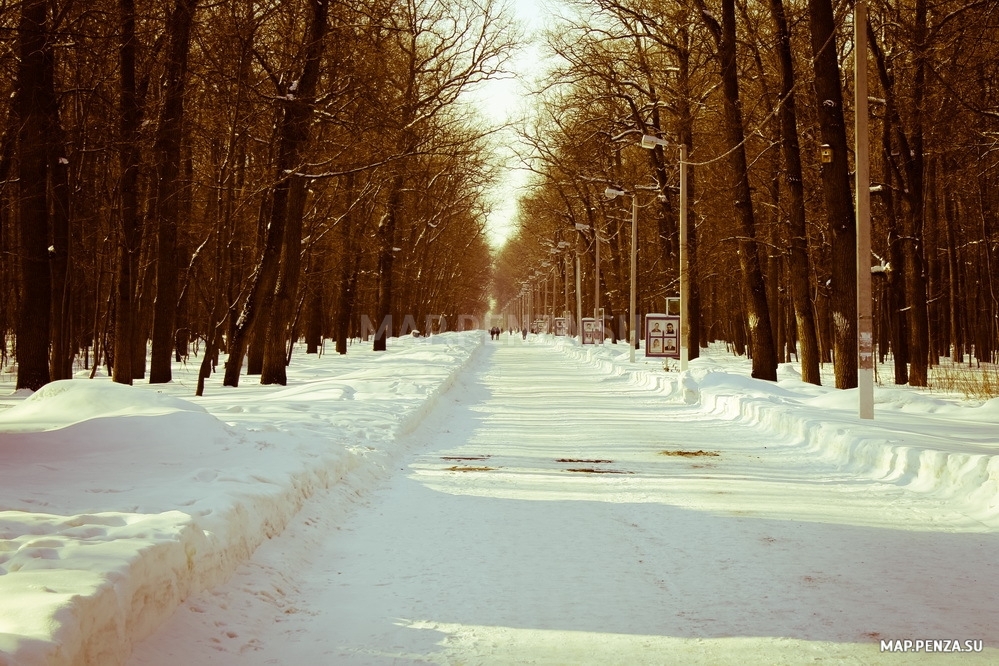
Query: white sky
x=503 y=100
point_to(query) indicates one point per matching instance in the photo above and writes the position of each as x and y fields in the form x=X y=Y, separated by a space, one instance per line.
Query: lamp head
x=649 y=142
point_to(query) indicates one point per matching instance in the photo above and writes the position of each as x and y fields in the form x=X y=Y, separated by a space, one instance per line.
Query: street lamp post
x=563 y=247
x=579 y=299
x=596 y=280
x=544 y=309
x=649 y=142
x=865 y=336
x=632 y=311
x=684 y=268
x=581 y=228
x=612 y=193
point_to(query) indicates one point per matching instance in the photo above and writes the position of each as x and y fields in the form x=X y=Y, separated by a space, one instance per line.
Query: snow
x=419 y=506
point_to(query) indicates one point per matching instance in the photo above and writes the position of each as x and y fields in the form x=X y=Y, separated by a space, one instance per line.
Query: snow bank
x=192 y=494
x=117 y=503
x=927 y=443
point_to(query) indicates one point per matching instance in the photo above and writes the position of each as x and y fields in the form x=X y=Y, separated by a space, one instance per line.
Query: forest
x=221 y=180
x=760 y=96
x=234 y=175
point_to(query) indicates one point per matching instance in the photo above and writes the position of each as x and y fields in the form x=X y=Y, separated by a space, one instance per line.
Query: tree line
x=760 y=94
x=237 y=175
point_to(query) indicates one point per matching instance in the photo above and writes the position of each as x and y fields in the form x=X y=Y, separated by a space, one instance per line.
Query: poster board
x=662 y=336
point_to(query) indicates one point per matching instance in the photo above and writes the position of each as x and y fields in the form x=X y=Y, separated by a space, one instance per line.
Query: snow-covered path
x=551 y=513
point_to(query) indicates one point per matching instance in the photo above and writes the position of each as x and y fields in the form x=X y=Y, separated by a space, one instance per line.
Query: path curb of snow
x=101 y=619
x=919 y=461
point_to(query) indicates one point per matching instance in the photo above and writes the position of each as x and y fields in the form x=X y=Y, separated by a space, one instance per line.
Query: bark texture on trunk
x=169 y=187
x=30 y=107
x=798 y=262
x=837 y=191
x=761 y=339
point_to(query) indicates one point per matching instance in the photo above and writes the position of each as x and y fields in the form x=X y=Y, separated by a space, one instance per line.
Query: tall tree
x=837 y=191
x=166 y=203
x=798 y=254
x=128 y=248
x=285 y=203
x=33 y=105
x=764 y=352
x=908 y=165
x=288 y=196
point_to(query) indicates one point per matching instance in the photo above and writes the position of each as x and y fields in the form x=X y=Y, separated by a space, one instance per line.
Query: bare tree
x=34 y=108
x=286 y=207
x=168 y=192
x=129 y=164
x=794 y=178
x=837 y=191
x=753 y=287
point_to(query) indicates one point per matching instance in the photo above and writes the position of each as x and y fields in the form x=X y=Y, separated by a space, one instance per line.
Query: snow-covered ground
x=459 y=500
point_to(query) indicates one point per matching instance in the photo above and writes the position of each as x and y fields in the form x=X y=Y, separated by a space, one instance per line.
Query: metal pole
x=565 y=283
x=555 y=277
x=634 y=257
x=530 y=307
x=556 y=292
x=579 y=300
x=596 y=281
x=865 y=330
x=684 y=273
x=544 y=311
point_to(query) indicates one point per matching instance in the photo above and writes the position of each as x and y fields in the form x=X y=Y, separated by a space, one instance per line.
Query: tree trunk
x=286 y=293
x=913 y=161
x=910 y=158
x=128 y=248
x=144 y=300
x=895 y=289
x=30 y=107
x=349 y=264
x=954 y=295
x=293 y=133
x=386 y=261
x=761 y=339
x=166 y=204
x=62 y=352
x=837 y=191
x=798 y=262
x=314 y=325
x=290 y=195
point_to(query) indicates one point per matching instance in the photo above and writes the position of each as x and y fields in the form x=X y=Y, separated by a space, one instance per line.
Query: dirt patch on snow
x=593 y=470
x=690 y=454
